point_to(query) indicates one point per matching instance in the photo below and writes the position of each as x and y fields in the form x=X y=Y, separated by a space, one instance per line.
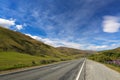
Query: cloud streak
x=56 y=42
x=59 y=43
x=19 y=27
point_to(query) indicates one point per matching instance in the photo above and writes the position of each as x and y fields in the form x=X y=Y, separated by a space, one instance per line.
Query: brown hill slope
x=15 y=41
x=71 y=51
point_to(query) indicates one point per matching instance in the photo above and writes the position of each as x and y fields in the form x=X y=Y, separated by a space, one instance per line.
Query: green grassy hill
x=15 y=41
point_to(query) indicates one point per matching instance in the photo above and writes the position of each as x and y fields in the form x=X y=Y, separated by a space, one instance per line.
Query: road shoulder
x=98 y=71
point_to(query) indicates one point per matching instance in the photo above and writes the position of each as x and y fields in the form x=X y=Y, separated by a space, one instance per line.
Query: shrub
x=33 y=63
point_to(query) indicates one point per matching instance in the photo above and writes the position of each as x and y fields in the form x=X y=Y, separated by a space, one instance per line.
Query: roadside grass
x=116 y=68
x=14 y=60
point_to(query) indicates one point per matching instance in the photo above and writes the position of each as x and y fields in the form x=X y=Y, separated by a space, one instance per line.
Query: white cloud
x=105 y=40
x=11 y=22
x=97 y=47
x=102 y=47
x=111 y=24
x=19 y=27
x=7 y=23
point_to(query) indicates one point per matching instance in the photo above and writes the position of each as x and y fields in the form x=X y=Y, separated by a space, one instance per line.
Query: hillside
x=112 y=54
x=15 y=41
x=71 y=51
x=109 y=57
x=117 y=49
x=106 y=55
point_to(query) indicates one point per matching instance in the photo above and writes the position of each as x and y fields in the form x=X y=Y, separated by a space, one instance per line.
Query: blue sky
x=81 y=24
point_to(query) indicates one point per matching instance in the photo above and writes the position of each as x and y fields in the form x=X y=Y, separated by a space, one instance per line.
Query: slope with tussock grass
x=15 y=41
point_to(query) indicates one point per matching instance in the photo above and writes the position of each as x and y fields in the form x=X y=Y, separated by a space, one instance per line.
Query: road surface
x=70 y=70
x=97 y=71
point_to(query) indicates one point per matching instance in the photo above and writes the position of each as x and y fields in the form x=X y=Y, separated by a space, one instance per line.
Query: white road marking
x=77 y=78
x=56 y=67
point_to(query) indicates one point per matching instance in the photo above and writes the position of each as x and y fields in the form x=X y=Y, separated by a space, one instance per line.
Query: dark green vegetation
x=109 y=57
x=106 y=55
x=18 y=50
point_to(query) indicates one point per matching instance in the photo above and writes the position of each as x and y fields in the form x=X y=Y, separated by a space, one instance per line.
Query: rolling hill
x=117 y=49
x=106 y=55
x=15 y=41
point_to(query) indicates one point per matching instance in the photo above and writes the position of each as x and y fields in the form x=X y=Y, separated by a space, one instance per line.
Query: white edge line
x=77 y=78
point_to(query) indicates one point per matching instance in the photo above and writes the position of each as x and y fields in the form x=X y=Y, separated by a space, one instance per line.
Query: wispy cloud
x=59 y=43
x=111 y=24
x=105 y=40
x=102 y=47
x=19 y=27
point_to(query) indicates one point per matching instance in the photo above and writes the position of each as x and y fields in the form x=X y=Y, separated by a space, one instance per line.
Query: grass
x=14 y=60
x=116 y=68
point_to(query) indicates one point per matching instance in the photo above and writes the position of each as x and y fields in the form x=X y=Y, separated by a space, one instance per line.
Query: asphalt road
x=70 y=70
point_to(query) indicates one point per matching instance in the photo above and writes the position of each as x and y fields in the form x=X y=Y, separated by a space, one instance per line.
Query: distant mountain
x=71 y=51
x=15 y=41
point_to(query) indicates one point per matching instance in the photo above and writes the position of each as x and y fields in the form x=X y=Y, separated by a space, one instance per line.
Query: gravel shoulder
x=98 y=71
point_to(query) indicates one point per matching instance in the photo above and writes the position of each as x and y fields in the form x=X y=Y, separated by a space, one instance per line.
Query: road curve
x=61 y=71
